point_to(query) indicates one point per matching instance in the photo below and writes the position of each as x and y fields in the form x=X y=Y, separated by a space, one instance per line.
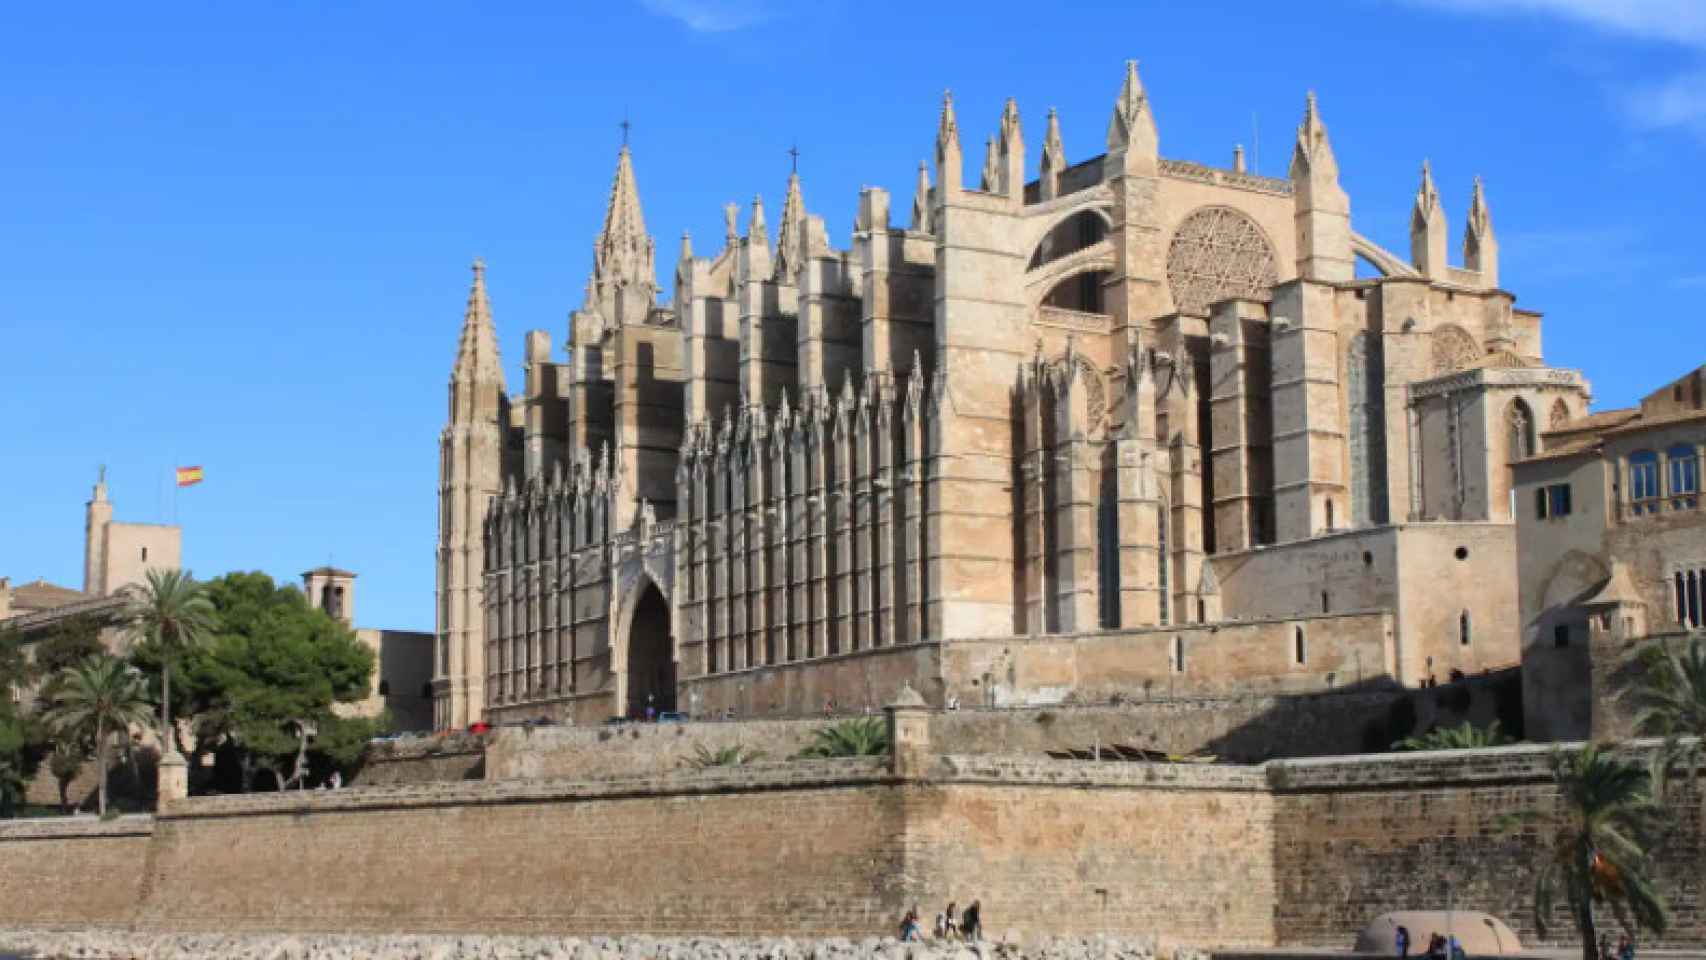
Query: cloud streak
x=1674 y=21
x=712 y=16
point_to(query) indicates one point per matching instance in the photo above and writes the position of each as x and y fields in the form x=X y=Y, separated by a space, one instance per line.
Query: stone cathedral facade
x=1072 y=429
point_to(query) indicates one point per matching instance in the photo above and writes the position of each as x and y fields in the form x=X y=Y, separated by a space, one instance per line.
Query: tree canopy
x=268 y=679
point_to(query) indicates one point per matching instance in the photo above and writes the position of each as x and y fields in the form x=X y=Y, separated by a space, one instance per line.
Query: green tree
x=1596 y=840
x=859 y=737
x=95 y=699
x=20 y=735
x=70 y=642
x=65 y=763
x=172 y=616
x=1670 y=702
x=1465 y=736
x=271 y=676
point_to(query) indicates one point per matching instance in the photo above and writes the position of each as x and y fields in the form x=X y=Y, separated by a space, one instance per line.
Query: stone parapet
x=57 y=828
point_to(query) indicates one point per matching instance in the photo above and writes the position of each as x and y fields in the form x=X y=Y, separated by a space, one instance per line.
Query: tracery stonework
x=1218 y=253
x=1453 y=349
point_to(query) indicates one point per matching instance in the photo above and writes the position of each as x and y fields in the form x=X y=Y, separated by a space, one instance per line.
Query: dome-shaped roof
x=1480 y=934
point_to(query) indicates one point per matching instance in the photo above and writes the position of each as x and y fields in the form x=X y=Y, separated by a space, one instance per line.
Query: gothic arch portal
x=646 y=658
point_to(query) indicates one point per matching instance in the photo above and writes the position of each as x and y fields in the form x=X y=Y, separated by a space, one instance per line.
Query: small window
x=426 y=690
x=1463 y=631
x=1643 y=475
x=1298 y=649
x=1552 y=500
x=1367 y=559
x=1561 y=635
x=1178 y=654
x=144 y=553
x=1202 y=610
x=1684 y=470
x=1326 y=603
x=1330 y=516
x=385 y=688
x=1461 y=553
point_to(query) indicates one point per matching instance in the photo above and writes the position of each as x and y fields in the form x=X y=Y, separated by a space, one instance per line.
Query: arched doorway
x=651 y=655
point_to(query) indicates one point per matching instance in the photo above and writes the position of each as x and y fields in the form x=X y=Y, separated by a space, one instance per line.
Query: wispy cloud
x=1675 y=103
x=712 y=16
x=1675 y=21
x=1678 y=103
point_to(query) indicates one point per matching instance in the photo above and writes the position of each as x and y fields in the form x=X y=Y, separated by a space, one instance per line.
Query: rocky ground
x=123 y=945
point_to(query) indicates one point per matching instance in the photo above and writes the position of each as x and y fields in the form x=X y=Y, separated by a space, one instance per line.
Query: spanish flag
x=189 y=476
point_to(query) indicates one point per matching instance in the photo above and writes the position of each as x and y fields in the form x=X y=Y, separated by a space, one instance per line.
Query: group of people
x=1441 y=947
x=950 y=923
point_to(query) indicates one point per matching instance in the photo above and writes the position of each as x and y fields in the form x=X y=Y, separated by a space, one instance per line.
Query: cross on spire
x=794 y=158
x=625 y=125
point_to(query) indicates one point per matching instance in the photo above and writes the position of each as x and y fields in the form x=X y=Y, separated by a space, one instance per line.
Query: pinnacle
x=921 y=200
x=949 y=127
x=477 y=354
x=1128 y=109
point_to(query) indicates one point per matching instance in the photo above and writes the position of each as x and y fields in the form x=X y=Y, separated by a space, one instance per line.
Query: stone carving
x=1218 y=253
x=1560 y=414
x=1453 y=349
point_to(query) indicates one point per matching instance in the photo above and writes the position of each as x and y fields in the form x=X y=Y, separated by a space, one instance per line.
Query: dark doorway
x=651 y=656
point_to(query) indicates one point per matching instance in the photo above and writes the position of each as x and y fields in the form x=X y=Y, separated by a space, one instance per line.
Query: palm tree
x=861 y=737
x=173 y=612
x=1596 y=839
x=98 y=697
x=1466 y=736
x=1670 y=702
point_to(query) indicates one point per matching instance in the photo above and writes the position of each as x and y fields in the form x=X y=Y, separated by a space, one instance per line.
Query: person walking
x=1625 y=948
x=1402 y=940
x=971 y=926
x=941 y=927
x=953 y=924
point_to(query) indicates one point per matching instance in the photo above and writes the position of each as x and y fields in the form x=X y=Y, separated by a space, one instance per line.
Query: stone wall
x=736 y=852
x=1355 y=838
x=1296 y=853
x=633 y=749
x=76 y=871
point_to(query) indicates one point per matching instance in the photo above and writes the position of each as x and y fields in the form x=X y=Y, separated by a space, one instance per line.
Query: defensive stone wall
x=634 y=749
x=74 y=871
x=1355 y=838
x=1294 y=853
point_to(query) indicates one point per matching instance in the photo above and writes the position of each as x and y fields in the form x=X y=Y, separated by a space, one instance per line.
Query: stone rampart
x=1358 y=837
x=634 y=749
x=72 y=871
x=1296 y=852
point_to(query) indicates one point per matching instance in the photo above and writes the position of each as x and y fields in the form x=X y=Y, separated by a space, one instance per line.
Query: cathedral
x=1120 y=426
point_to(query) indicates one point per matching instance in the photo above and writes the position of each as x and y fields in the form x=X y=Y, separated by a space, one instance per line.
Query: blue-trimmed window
x=1684 y=470
x=1643 y=479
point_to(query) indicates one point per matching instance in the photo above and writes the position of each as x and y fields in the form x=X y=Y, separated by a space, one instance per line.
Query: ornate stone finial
x=921 y=200
x=1054 y=157
x=477 y=358
x=1480 y=247
x=991 y=180
x=1011 y=178
x=790 y=230
x=1132 y=126
x=947 y=127
x=756 y=232
x=1312 y=156
x=731 y=216
x=686 y=246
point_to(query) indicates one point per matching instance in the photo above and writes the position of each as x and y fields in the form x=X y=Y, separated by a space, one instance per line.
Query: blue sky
x=238 y=235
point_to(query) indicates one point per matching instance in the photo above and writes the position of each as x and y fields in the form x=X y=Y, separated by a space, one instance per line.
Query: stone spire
x=1131 y=130
x=1011 y=182
x=1323 y=211
x=921 y=200
x=789 y=230
x=477 y=359
x=1427 y=229
x=1054 y=158
x=1312 y=158
x=624 y=274
x=1480 y=247
x=991 y=179
x=949 y=161
x=756 y=231
x=731 y=232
